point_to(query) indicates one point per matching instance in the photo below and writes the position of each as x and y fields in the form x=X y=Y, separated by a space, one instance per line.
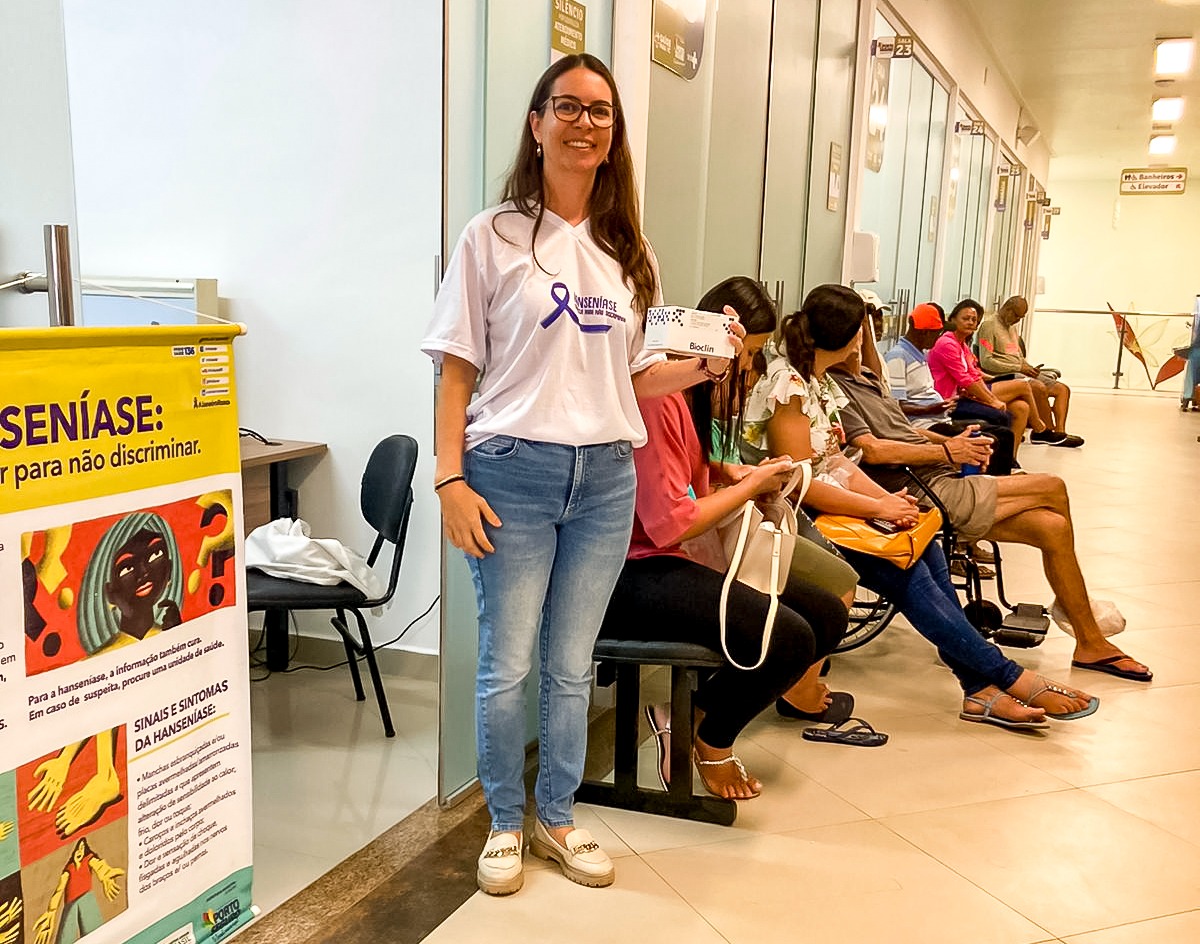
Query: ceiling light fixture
x=1167 y=109
x=1173 y=56
x=1162 y=144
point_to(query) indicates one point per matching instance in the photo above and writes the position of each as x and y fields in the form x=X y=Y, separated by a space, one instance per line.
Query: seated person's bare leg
x=1019 y=411
x=810 y=693
x=1013 y=392
x=722 y=774
x=1025 y=518
x=1042 y=399
x=1060 y=403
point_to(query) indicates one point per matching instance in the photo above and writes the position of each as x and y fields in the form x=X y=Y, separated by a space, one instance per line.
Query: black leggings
x=676 y=600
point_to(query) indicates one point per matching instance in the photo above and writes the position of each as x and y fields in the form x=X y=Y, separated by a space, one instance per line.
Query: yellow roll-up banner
x=125 y=810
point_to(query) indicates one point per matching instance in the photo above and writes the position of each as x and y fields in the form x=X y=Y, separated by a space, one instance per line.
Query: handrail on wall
x=1114 y=311
x=1121 y=326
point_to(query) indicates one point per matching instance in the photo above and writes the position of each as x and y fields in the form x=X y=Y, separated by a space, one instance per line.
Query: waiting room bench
x=623 y=659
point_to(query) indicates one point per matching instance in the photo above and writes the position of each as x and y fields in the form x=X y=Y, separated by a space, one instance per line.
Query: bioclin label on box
x=690 y=332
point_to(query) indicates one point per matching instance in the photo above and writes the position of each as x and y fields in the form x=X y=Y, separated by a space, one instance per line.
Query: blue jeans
x=924 y=595
x=972 y=411
x=566 y=514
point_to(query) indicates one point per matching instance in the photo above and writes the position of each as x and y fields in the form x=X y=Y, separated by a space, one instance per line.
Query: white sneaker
x=501 y=868
x=581 y=858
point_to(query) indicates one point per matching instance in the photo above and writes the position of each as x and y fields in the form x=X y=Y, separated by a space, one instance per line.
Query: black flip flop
x=859 y=734
x=839 y=709
x=1109 y=667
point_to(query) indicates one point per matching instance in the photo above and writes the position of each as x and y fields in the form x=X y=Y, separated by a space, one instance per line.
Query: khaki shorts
x=971 y=503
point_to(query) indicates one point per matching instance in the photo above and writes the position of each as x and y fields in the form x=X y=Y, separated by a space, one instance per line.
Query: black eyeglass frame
x=553 y=101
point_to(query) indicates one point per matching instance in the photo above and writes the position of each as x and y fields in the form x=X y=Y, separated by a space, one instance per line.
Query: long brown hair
x=756 y=312
x=613 y=213
x=828 y=319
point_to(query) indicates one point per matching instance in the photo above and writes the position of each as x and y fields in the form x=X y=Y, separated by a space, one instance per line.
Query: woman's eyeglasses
x=568 y=108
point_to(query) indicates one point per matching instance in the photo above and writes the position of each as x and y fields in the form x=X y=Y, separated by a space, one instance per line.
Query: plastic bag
x=1106 y=614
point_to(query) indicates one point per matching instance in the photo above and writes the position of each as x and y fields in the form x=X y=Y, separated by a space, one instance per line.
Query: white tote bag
x=759 y=540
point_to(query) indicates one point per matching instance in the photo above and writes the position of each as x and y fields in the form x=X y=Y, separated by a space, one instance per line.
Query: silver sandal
x=987 y=717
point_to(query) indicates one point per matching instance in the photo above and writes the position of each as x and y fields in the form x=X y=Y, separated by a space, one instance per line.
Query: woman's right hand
x=899 y=507
x=464 y=512
x=770 y=475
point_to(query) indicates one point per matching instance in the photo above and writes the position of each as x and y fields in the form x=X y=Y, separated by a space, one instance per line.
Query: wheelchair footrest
x=1024 y=628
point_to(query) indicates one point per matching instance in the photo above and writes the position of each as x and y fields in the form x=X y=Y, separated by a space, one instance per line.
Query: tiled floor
x=326 y=780
x=1085 y=834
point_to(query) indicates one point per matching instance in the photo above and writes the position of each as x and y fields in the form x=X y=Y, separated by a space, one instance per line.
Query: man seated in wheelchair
x=1029 y=509
x=794 y=410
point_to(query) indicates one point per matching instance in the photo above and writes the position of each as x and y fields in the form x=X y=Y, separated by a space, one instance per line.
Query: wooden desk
x=265 y=497
x=265 y=492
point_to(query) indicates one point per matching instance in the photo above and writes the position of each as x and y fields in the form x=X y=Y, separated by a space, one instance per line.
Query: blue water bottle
x=969 y=468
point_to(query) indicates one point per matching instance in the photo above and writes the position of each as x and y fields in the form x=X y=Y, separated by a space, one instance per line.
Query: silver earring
x=539 y=149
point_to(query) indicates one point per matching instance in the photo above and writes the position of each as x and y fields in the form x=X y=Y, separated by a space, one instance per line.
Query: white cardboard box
x=689 y=332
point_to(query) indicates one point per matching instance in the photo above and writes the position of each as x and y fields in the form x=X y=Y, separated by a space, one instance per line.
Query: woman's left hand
x=718 y=365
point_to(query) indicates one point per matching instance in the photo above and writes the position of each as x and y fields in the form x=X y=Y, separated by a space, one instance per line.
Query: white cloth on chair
x=285 y=548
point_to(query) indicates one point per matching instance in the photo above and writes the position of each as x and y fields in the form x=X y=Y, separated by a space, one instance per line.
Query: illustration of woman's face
x=140 y=571
x=79 y=852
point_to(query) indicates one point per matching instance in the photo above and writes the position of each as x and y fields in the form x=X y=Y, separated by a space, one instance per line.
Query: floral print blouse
x=821 y=401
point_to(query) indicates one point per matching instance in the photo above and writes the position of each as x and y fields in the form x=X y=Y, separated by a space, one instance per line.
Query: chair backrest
x=387 y=495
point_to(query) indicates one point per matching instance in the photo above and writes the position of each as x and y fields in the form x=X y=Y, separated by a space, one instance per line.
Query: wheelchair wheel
x=869 y=616
x=985 y=616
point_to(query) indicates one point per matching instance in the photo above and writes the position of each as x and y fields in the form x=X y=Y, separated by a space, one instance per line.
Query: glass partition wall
x=966 y=210
x=946 y=202
x=742 y=161
x=902 y=183
x=1008 y=205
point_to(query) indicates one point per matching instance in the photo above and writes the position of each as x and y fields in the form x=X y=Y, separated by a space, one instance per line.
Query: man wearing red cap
x=911 y=385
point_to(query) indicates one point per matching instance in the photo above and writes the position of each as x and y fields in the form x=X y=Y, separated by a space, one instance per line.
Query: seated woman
x=795 y=408
x=956 y=373
x=663 y=588
x=814 y=559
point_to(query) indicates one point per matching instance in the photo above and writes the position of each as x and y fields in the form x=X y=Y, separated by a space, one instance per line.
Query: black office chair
x=386 y=501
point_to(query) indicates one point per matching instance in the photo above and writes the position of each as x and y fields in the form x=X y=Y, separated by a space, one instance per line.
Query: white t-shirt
x=557 y=344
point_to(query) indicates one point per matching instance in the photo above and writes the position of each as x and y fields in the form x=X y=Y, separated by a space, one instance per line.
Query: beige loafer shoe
x=501 y=868
x=580 y=858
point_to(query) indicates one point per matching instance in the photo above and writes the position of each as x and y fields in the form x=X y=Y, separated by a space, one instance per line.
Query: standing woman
x=543 y=303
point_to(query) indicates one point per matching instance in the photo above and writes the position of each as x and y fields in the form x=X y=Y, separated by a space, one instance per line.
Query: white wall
x=292 y=150
x=36 y=184
x=1138 y=253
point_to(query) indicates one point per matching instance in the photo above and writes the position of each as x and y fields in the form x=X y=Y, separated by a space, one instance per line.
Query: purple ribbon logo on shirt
x=561 y=296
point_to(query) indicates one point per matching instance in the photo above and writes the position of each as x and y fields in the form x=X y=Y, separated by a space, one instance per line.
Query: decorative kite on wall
x=1174 y=364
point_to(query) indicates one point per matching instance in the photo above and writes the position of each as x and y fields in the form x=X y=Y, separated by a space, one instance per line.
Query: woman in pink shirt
x=664 y=588
x=956 y=373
